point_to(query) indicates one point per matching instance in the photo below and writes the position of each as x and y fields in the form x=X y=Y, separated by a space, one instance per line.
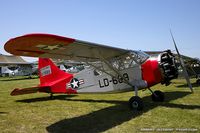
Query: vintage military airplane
x=111 y=69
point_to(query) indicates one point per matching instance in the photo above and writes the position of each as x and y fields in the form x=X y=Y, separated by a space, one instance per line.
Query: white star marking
x=75 y=84
x=41 y=46
x=51 y=47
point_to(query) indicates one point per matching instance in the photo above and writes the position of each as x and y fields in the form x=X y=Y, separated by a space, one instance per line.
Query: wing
x=52 y=46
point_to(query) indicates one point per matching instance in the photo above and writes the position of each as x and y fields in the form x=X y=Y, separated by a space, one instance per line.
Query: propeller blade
x=182 y=64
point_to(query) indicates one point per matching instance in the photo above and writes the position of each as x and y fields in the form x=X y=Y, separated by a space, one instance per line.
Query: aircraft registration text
x=115 y=80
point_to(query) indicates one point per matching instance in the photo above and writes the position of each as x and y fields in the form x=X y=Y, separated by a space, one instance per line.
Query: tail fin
x=52 y=80
x=51 y=75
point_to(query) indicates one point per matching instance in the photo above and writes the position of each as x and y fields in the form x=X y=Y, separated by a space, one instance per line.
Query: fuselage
x=154 y=70
x=157 y=69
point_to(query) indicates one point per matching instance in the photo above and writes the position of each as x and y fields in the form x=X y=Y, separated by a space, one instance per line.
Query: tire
x=136 y=103
x=158 y=96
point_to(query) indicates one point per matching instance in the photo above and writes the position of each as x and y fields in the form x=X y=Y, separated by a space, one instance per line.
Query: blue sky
x=130 y=24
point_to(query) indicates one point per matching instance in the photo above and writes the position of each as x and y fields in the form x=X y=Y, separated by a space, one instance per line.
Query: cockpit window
x=139 y=56
x=97 y=73
x=13 y=68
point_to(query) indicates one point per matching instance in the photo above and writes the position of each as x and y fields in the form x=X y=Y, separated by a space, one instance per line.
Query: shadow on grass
x=104 y=119
x=14 y=79
x=41 y=99
x=186 y=85
x=3 y=113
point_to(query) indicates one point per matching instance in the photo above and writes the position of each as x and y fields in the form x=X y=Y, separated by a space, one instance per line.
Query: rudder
x=49 y=72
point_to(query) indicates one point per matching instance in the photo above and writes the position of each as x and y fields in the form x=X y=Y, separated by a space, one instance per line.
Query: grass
x=35 y=113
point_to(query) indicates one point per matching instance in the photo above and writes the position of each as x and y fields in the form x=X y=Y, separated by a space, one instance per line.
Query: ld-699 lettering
x=115 y=80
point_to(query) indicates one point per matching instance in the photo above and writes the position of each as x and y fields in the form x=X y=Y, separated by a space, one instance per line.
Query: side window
x=96 y=73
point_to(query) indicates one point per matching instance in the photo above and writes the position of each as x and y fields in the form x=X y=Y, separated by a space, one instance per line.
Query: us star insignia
x=75 y=83
x=50 y=47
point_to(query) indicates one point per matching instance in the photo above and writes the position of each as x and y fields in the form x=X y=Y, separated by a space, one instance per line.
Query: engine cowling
x=159 y=69
x=168 y=67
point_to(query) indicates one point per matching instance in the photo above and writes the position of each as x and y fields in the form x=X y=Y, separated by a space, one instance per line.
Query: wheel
x=198 y=82
x=158 y=96
x=136 y=103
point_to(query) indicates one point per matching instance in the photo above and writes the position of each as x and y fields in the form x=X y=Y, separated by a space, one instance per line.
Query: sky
x=129 y=24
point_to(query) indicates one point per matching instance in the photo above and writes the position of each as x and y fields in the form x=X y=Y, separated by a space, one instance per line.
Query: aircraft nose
x=168 y=67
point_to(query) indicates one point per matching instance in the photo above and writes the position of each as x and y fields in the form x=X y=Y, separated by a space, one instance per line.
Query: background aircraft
x=112 y=69
x=69 y=66
x=15 y=66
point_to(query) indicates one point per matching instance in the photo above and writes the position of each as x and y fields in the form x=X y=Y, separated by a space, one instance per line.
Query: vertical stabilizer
x=51 y=75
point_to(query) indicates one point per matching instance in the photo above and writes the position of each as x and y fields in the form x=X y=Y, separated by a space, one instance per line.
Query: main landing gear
x=136 y=103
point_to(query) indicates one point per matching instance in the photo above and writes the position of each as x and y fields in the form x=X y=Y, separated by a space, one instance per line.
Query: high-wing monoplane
x=108 y=69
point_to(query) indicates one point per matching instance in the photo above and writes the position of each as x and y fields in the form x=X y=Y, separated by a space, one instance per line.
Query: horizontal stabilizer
x=23 y=91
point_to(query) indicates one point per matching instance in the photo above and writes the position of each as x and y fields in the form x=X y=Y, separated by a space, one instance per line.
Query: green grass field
x=35 y=113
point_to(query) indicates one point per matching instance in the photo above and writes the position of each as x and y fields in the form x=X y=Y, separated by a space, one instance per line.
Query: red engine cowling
x=161 y=69
x=151 y=72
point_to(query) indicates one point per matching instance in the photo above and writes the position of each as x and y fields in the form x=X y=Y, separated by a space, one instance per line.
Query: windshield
x=139 y=56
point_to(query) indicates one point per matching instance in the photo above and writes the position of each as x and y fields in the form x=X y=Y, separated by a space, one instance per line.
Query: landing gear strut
x=135 y=102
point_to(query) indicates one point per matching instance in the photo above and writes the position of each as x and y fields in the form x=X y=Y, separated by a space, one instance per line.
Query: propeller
x=182 y=64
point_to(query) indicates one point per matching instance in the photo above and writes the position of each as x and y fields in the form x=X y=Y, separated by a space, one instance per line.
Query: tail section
x=49 y=72
x=52 y=80
x=51 y=75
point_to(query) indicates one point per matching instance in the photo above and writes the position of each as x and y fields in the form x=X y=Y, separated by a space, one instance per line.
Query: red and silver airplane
x=109 y=69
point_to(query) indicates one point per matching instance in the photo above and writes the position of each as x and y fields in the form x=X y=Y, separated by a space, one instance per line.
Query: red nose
x=151 y=72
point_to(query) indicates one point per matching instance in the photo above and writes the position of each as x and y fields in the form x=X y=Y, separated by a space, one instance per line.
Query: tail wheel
x=51 y=96
x=158 y=96
x=136 y=103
